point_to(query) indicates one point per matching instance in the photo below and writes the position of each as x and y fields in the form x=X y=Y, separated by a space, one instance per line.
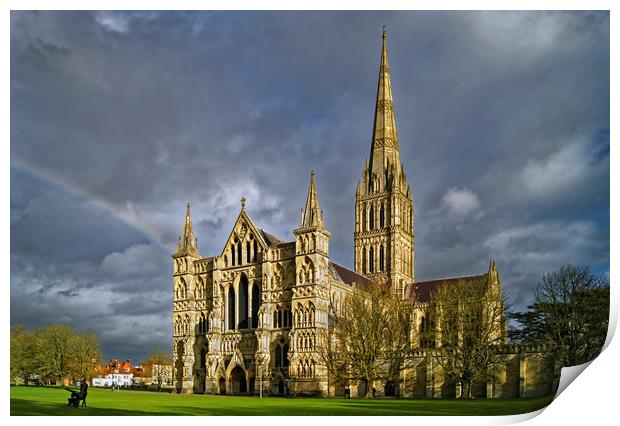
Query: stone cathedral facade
x=247 y=319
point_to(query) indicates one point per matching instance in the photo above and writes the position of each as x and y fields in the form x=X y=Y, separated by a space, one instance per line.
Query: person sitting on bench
x=74 y=399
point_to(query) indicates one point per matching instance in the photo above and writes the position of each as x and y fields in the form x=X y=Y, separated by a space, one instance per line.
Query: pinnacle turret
x=188 y=243
x=312 y=215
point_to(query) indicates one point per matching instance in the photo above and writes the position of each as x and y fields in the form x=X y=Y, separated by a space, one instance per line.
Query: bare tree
x=159 y=366
x=327 y=350
x=370 y=337
x=468 y=324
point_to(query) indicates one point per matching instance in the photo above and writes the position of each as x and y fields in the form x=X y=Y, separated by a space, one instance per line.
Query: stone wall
x=525 y=372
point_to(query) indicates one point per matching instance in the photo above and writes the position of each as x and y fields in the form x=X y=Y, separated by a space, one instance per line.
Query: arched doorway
x=238 y=383
x=281 y=387
x=221 y=384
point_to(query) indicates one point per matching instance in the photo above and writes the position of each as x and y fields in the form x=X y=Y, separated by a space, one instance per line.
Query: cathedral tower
x=184 y=313
x=384 y=240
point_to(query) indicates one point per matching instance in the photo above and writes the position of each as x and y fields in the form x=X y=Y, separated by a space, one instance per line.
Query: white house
x=124 y=380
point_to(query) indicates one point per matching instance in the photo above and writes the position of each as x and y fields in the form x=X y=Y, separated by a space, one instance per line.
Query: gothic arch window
x=232 y=254
x=285 y=355
x=381 y=258
x=243 y=302
x=255 y=304
x=187 y=324
x=239 y=256
x=255 y=252
x=409 y=220
x=248 y=253
x=363 y=260
x=278 y=356
x=382 y=216
x=371 y=215
x=231 y=307
x=371 y=259
x=363 y=217
x=199 y=291
x=182 y=289
x=310 y=314
x=203 y=324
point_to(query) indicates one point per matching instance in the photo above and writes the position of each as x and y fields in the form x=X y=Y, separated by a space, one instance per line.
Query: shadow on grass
x=22 y=407
x=46 y=402
x=449 y=407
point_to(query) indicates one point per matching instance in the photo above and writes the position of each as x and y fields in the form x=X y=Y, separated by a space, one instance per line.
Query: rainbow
x=95 y=200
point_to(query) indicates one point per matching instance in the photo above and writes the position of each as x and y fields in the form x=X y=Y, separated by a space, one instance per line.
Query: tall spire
x=312 y=215
x=188 y=243
x=384 y=147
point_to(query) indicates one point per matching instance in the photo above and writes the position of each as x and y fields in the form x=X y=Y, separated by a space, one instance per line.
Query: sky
x=118 y=119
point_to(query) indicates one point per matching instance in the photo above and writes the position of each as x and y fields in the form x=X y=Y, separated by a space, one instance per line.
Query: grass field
x=28 y=401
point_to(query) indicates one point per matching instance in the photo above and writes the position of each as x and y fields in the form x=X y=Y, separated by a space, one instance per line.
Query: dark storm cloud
x=503 y=121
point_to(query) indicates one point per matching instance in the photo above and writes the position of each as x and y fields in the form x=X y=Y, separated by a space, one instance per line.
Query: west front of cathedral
x=246 y=321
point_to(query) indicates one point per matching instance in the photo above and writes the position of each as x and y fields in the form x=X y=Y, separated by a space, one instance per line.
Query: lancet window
x=281 y=355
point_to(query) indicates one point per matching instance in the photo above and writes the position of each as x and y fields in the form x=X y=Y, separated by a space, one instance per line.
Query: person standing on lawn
x=83 y=391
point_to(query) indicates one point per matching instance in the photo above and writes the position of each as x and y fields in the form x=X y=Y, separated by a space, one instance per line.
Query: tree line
x=569 y=314
x=53 y=354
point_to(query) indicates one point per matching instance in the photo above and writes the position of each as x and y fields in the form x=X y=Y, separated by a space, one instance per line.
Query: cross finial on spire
x=242 y=202
x=384 y=26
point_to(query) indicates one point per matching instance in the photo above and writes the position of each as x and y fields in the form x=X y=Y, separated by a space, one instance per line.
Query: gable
x=242 y=229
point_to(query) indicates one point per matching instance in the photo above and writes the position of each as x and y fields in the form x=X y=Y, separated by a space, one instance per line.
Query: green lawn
x=27 y=400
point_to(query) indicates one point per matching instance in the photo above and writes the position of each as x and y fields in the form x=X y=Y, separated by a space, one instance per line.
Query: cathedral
x=246 y=320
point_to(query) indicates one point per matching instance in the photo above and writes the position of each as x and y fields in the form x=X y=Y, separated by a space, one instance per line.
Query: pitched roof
x=348 y=276
x=421 y=291
x=272 y=240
